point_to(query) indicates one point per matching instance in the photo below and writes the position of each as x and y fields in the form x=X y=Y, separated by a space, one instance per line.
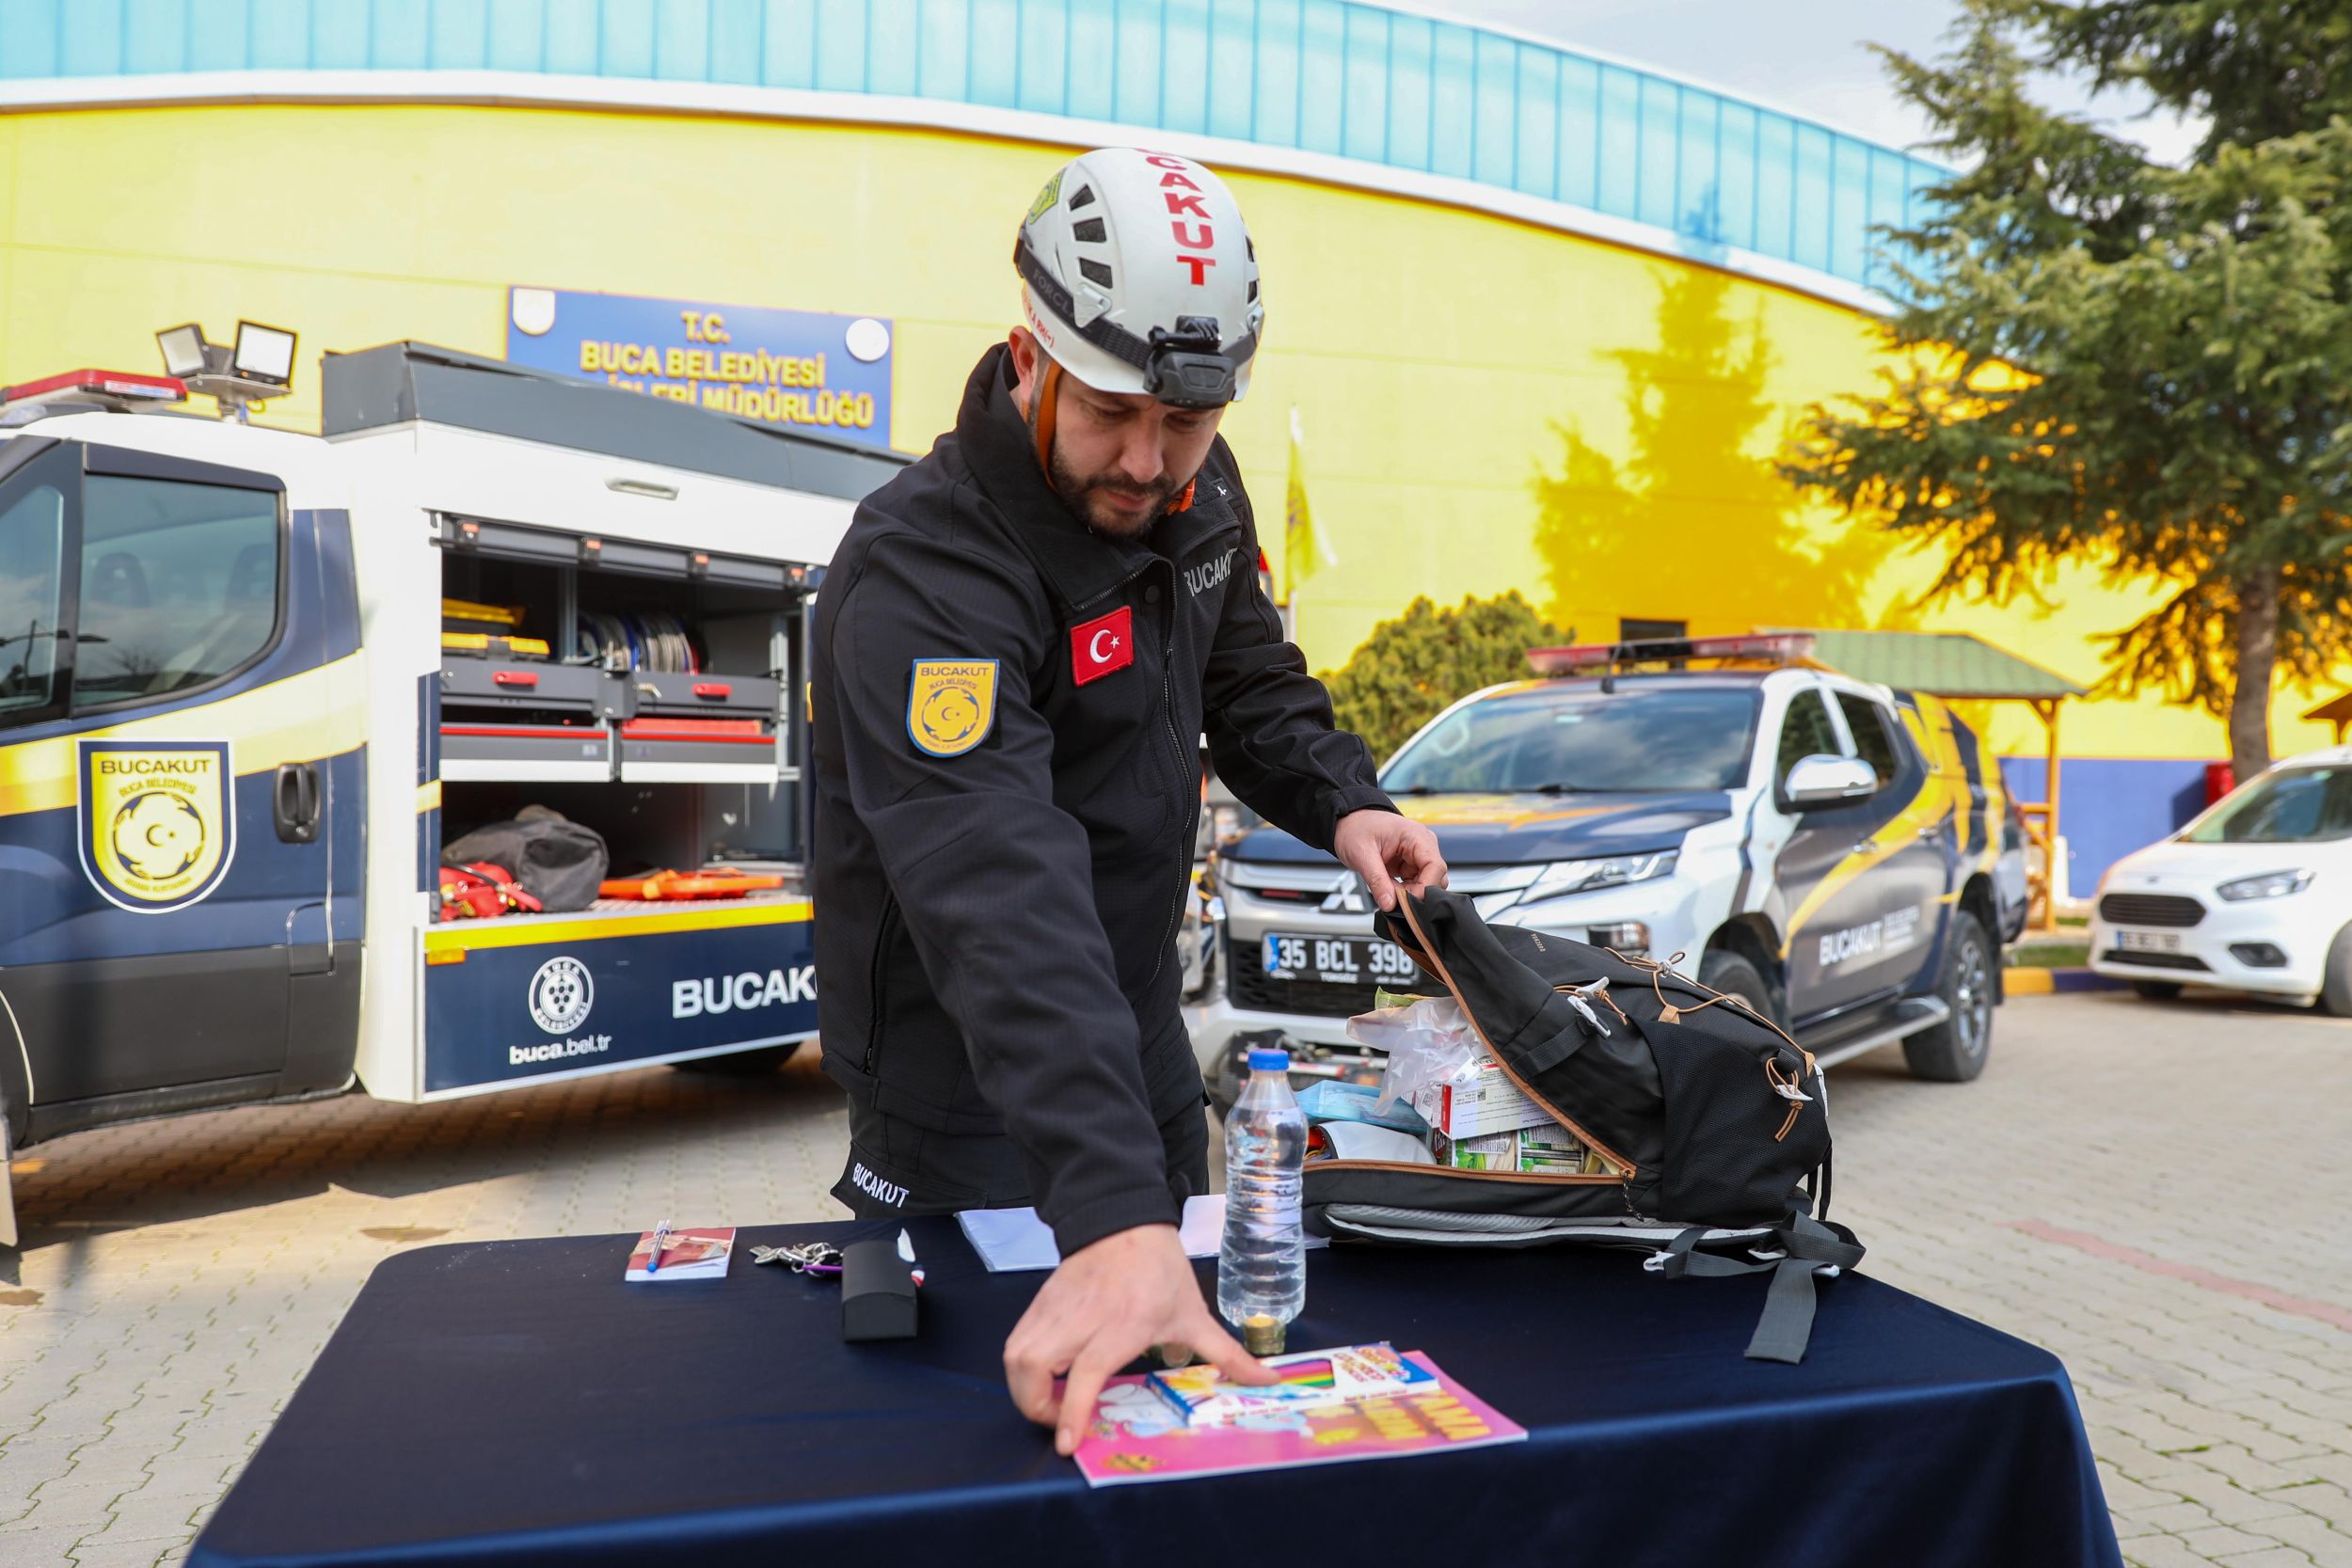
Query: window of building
x=1629 y=630
x=179 y=586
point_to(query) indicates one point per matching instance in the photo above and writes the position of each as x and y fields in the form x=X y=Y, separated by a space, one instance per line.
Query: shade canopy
x=1942 y=664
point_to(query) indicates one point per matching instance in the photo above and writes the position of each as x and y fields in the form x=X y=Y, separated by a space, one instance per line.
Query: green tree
x=2117 y=362
x=1410 y=668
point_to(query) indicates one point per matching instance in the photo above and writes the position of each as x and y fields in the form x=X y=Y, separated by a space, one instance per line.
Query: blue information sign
x=804 y=370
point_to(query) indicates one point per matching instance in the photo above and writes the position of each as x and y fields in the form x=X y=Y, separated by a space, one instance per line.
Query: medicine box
x=1549 y=1149
x=1490 y=1103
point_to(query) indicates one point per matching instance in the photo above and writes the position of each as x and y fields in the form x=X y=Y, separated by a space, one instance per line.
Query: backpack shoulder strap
x=1809 y=1247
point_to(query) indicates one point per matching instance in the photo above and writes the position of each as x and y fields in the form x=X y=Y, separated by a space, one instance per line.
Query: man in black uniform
x=1018 y=644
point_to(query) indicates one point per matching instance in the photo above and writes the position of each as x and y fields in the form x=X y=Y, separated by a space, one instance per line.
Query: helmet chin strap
x=1048 y=405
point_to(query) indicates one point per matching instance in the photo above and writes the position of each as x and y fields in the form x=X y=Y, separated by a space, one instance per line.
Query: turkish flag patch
x=1099 y=646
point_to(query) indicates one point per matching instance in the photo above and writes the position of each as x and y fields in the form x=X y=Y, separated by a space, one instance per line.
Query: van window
x=1869 y=721
x=32 y=550
x=179 y=586
x=1805 y=731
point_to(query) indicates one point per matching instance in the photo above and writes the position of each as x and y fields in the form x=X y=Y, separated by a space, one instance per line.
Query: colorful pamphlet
x=1138 y=1436
x=1202 y=1397
x=685 y=1255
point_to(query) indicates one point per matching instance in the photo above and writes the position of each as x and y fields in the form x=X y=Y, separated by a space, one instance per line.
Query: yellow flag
x=1303 y=550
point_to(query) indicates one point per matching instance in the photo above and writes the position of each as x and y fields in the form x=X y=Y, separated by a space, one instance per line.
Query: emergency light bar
x=1758 y=648
x=93 y=389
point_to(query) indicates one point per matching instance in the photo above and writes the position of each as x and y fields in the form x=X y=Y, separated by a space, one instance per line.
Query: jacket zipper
x=1176 y=749
x=882 y=953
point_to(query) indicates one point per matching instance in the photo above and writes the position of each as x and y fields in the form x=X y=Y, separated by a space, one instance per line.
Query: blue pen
x=661 y=1240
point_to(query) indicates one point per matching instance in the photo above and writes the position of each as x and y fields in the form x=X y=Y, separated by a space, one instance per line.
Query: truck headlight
x=2270 y=884
x=1613 y=871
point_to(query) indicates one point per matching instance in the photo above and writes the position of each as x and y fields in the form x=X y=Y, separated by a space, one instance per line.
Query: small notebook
x=685 y=1255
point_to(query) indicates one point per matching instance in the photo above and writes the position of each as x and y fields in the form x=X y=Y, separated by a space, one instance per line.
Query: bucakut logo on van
x=1884 y=936
x=723 y=993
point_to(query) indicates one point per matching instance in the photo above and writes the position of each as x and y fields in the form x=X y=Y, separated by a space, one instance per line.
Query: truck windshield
x=1646 y=739
x=2298 y=805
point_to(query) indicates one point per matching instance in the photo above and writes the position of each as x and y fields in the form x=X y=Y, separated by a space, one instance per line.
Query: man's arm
x=995 y=885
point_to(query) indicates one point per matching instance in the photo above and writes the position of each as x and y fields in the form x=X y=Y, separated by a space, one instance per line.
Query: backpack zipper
x=1446 y=975
x=1579 y=1179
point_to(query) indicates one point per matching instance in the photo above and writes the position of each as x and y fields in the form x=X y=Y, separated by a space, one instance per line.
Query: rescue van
x=237 y=728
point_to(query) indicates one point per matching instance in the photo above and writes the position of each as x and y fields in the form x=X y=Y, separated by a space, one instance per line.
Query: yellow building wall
x=1487 y=405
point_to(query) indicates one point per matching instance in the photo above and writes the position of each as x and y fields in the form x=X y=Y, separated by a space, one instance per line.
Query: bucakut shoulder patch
x=951 y=704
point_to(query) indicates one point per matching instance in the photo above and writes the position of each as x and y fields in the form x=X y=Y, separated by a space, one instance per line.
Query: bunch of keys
x=822 y=1260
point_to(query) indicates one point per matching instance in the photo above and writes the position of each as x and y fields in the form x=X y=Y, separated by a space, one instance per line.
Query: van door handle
x=294 y=804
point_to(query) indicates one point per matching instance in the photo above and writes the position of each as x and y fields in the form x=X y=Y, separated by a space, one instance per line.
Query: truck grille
x=1254 y=989
x=2150 y=908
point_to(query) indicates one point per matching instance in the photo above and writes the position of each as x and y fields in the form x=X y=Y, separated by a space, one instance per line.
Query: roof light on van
x=264 y=354
x=1755 y=648
x=97 y=389
x=260 y=366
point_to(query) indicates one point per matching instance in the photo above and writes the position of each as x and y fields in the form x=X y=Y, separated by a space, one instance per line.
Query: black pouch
x=556 y=860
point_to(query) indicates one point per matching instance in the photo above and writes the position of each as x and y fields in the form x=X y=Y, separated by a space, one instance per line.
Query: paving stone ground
x=2156 y=1193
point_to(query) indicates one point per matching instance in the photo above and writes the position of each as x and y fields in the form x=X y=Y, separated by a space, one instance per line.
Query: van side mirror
x=1816 y=782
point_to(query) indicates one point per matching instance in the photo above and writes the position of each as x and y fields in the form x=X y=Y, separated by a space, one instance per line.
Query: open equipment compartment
x=662 y=664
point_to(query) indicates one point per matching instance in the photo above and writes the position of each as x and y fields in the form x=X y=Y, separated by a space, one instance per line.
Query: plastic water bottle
x=1262 y=1268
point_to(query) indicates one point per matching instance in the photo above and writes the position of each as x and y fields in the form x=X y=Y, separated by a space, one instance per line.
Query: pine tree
x=2113 y=361
x=1410 y=668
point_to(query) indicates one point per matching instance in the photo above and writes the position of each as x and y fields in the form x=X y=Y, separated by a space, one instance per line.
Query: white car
x=2253 y=895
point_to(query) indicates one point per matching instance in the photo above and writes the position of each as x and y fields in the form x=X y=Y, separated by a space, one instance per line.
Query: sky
x=1808 y=56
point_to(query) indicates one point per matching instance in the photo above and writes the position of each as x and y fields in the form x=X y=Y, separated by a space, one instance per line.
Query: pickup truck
x=1840 y=856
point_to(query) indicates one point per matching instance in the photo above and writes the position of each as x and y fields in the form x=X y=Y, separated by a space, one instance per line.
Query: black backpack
x=1715 y=1122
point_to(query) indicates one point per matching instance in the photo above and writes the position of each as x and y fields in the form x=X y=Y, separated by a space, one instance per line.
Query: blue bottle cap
x=1269 y=1061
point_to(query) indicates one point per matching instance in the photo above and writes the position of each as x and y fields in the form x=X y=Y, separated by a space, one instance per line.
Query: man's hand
x=1107 y=1305
x=1385 y=850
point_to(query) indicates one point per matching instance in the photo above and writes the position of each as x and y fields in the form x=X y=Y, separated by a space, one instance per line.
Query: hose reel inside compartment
x=678 y=659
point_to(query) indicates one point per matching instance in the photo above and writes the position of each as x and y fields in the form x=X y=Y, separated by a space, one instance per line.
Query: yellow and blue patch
x=157 y=828
x=951 y=704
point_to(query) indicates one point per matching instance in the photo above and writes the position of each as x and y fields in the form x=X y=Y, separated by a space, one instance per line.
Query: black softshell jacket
x=996 y=929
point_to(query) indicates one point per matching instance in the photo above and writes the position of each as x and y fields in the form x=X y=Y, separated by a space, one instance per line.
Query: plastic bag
x=1428 y=1042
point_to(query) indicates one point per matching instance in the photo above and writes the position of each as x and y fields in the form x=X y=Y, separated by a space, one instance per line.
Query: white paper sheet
x=1011 y=1240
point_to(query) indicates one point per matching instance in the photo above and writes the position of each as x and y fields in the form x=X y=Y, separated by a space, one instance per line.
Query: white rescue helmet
x=1136 y=276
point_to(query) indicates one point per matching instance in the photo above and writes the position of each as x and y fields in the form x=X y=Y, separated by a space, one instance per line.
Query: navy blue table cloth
x=515 y=1402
